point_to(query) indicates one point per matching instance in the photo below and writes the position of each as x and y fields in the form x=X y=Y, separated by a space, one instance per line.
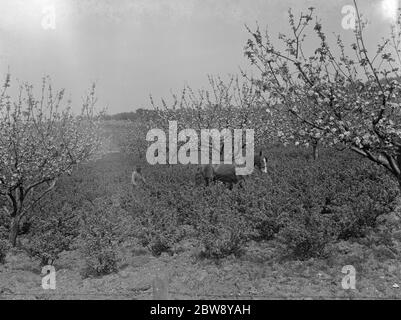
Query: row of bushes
x=304 y=205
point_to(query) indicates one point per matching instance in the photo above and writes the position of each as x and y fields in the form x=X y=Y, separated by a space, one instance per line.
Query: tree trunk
x=399 y=183
x=14 y=228
x=315 y=151
x=398 y=164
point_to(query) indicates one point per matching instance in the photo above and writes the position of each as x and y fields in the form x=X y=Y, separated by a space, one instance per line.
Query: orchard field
x=286 y=234
x=323 y=221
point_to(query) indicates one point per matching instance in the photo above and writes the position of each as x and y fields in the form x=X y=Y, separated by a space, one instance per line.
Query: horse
x=226 y=173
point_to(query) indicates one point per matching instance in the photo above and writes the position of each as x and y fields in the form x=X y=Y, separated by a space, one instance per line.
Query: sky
x=133 y=48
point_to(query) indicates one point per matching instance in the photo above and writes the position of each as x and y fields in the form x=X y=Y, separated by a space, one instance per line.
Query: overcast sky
x=132 y=48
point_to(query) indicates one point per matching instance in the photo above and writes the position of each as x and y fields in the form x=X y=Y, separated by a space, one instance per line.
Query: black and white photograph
x=202 y=150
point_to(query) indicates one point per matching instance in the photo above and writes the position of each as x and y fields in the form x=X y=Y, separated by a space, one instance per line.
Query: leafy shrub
x=159 y=230
x=222 y=229
x=221 y=241
x=4 y=248
x=4 y=224
x=4 y=243
x=306 y=234
x=103 y=228
x=52 y=233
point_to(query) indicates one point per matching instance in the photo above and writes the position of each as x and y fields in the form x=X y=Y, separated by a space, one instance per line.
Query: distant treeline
x=139 y=114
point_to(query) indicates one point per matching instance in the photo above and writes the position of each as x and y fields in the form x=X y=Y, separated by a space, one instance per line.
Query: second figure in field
x=137 y=178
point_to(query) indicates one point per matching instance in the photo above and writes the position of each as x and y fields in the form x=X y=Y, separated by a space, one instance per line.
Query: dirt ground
x=257 y=274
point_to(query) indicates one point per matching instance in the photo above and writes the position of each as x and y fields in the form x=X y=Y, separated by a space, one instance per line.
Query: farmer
x=137 y=177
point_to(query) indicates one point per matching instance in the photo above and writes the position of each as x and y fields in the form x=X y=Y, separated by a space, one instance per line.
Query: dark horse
x=226 y=172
